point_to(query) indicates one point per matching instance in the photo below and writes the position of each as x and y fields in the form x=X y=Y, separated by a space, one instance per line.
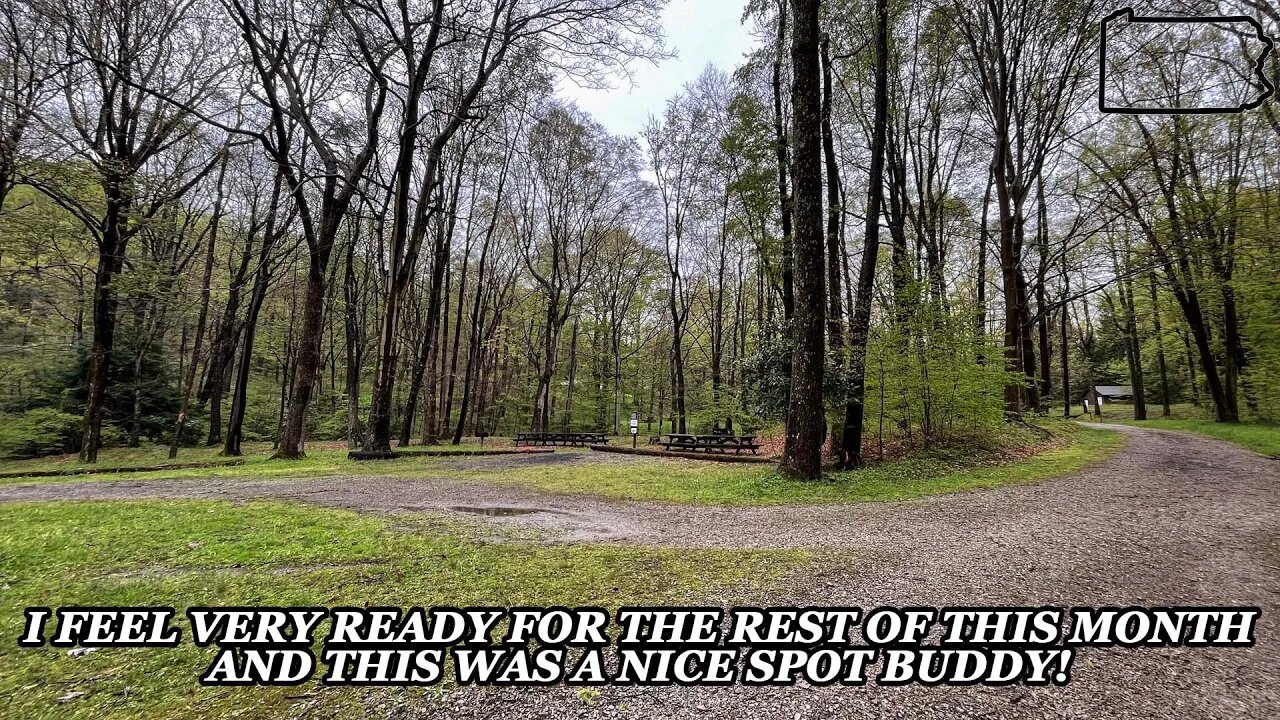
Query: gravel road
x=1172 y=519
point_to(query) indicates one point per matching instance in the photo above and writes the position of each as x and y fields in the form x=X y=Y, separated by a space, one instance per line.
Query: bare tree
x=119 y=58
x=579 y=185
x=860 y=320
x=288 y=48
x=27 y=67
x=478 y=41
x=1026 y=58
x=678 y=155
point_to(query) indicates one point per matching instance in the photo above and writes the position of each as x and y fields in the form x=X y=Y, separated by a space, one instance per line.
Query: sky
x=701 y=32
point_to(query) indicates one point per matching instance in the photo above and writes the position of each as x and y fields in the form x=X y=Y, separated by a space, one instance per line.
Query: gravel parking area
x=1172 y=519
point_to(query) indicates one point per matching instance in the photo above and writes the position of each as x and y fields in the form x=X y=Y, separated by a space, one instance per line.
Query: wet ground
x=1172 y=519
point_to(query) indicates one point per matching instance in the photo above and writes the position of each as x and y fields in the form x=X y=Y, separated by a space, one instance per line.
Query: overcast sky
x=701 y=32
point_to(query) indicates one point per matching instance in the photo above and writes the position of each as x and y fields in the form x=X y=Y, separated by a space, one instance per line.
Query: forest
x=381 y=223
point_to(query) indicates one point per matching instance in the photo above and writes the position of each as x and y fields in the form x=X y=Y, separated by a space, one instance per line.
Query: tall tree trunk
x=1065 y=309
x=437 y=382
x=474 y=355
x=980 y=321
x=222 y=348
x=860 y=324
x=541 y=421
x=784 y=198
x=572 y=379
x=802 y=453
x=457 y=334
x=835 y=208
x=1066 y=370
x=400 y=270
x=1002 y=170
x=306 y=365
x=1136 y=374
x=473 y=351
x=1165 y=409
x=353 y=346
x=111 y=251
x=202 y=319
x=679 y=387
x=1189 y=299
x=1191 y=367
x=1027 y=349
x=1233 y=361
x=615 y=343
x=431 y=338
x=717 y=307
x=1042 y=304
x=240 y=393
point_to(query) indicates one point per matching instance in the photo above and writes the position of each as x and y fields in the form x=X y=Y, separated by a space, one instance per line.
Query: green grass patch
x=708 y=483
x=273 y=553
x=319 y=462
x=1259 y=437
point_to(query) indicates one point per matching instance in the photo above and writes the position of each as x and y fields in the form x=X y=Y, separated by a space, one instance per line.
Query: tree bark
x=111 y=249
x=860 y=324
x=835 y=208
x=784 y=198
x=1042 y=303
x=1165 y=409
x=802 y=453
x=206 y=281
x=352 y=344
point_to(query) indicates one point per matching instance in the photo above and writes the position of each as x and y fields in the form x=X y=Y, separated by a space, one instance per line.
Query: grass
x=274 y=553
x=663 y=480
x=320 y=462
x=1262 y=438
x=706 y=483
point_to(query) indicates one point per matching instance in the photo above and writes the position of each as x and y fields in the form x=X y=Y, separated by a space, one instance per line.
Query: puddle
x=496 y=511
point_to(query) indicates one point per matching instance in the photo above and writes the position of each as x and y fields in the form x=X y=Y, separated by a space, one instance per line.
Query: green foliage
x=139 y=370
x=38 y=432
x=925 y=380
x=707 y=419
x=329 y=421
x=1259 y=295
x=769 y=372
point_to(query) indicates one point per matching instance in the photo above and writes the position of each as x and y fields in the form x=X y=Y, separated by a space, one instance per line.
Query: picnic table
x=717 y=442
x=576 y=439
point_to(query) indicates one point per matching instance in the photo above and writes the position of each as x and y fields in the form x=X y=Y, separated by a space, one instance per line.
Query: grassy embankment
x=1019 y=458
x=1262 y=438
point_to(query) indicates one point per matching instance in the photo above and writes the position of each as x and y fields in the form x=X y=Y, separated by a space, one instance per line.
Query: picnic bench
x=575 y=439
x=716 y=442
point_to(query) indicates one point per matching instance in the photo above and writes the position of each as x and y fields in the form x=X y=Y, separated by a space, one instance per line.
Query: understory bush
x=39 y=432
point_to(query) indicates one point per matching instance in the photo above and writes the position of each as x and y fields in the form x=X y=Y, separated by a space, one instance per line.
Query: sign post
x=635 y=428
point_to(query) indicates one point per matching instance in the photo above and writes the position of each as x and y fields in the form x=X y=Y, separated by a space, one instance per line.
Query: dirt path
x=1172 y=519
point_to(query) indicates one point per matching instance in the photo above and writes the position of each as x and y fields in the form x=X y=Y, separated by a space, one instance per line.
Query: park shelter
x=1106 y=394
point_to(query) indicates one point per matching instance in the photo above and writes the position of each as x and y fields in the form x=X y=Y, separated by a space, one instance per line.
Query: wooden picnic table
x=710 y=443
x=576 y=439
